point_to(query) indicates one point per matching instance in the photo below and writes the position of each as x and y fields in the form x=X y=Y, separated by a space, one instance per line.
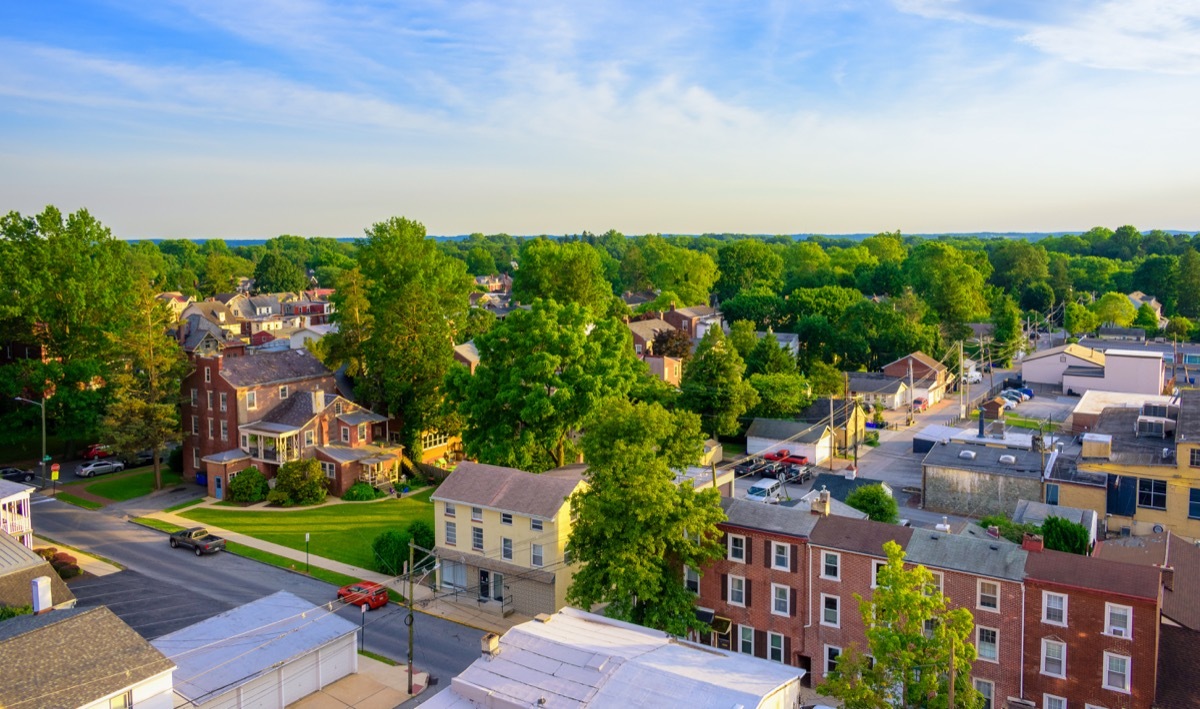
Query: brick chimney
x=1033 y=542
x=820 y=504
x=1168 y=577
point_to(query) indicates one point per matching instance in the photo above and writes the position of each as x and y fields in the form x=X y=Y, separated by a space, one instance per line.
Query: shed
x=814 y=440
x=993 y=409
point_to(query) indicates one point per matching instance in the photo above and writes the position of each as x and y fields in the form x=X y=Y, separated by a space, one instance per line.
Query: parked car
x=1015 y=393
x=771 y=469
x=97 y=451
x=796 y=474
x=99 y=467
x=198 y=539
x=364 y=593
x=1009 y=403
x=765 y=490
x=920 y=404
x=748 y=466
x=785 y=456
x=138 y=459
x=1026 y=391
x=16 y=475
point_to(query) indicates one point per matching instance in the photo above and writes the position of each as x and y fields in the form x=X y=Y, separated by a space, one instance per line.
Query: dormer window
x=283 y=392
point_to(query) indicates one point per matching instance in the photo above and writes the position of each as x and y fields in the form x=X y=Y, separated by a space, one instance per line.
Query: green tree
x=688 y=274
x=7 y=612
x=758 y=305
x=568 y=272
x=712 y=385
x=769 y=357
x=1038 y=297
x=780 y=395
x=299 y=482
x=887 y=246
x=1146 y=319
x=1007 y=334
x=942 y=275
x=248 y=486
x=805 y=265
x=1188 y=284
x=1064 y=535
x=1180 y=327
x=391 y=551
x=743 y=337
x=276 y=273
x=824 y=379
x=876 y=502
x=352 y=315
x=909 y=663
x=635 y=529
x=1114 y=309
x=1158 y=275
x=1018 y=263
x=541 y=374
x=745 y=264
x=673 y=343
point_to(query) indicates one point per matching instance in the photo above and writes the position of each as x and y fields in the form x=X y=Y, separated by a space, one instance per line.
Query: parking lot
x=150 y=607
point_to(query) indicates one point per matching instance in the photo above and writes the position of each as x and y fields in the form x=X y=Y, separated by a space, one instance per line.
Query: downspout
x=1022 y=673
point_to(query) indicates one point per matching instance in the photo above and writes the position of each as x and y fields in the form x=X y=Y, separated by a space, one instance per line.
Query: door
x=498 y=587
x=484 y=584
x=217 y=488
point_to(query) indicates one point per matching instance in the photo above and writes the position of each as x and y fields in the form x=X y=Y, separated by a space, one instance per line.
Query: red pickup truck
x=785 y=456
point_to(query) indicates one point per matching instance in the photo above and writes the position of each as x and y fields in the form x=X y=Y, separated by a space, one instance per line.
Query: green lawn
x=127 y=486
x=78 y=501
x=341 y=532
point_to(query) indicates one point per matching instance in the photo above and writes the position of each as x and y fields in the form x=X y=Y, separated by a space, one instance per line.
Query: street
x=164 y=589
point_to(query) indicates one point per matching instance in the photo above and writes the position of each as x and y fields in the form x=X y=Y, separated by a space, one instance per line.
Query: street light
x=42 y=404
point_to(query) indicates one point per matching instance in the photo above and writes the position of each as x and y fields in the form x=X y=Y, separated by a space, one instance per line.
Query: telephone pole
x=964 y=386
x=412 y=554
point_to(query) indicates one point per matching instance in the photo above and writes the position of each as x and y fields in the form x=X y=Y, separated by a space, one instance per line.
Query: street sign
x=46 y=459
x=54 y=472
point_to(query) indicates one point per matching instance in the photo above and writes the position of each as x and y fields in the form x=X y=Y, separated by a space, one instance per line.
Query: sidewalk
x=86 y=562
x=425 y=599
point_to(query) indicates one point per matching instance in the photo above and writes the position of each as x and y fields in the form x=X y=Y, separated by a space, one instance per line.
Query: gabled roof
x=648 y=329
x=1091 y=573
x=818 y=411
x=12 y=488
x=794 y=521
x=72 y=658
x=1178 y=668
x=468 y=351
x=19 y=565
x=1179 y=600
x=923 y=359
x=861 y=536
x=785 y=430
x=507 y=489
x=272 y=368
x=994 y=558
x=1087 y=354
x=874 y=383
x=260 y=635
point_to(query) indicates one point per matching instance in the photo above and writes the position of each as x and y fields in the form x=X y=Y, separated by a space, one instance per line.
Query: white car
x=99 y=467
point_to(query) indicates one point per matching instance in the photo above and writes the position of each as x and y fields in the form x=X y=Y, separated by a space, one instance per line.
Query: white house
x=1132 y=371
x=797 y=437
x=15 y=517
x=1048 y=366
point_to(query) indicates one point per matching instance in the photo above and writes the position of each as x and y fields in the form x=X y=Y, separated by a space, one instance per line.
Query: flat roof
x=987 y=460
x=1094 y=401
x=1133 y=353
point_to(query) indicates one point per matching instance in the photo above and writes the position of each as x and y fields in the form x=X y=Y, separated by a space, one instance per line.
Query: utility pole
x=412 y=554
x=911 y=405
x=963 y=388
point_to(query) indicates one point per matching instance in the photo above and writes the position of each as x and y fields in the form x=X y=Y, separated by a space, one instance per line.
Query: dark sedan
x=17 y=475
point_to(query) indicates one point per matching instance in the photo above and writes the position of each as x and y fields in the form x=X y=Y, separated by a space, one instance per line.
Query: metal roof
x=361 y=416
x=10 y=488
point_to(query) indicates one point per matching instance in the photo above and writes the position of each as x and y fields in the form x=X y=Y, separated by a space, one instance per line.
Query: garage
x=770 y=435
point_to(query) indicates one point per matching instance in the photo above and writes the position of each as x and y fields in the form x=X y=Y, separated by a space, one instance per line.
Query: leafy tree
x=481 y=262
x=1092 y=274
x=633 y=451
x=478 y=321
x=1078 y=319
x=276 y=273
x=743 y=337
x=712 y=385
x=352 y=314
x=7 y=612
x=422 y=535
x=634 y=274
x=541 y=374
x=1158 y=275
x=780 y=395
x=824 y=379
x=1180 y=327
x=299 y=482
x=911 y=665
x=1146 y=319
x=758 y=305
x=886 y=247
x=1018 y=263
x=805 y=265
x=220 y=271
x=569 y=272
x=688 y=274
x=745 y=264
x=872 y=334
x=1007 y=333
x=828 y=301
x=1188 y=299
x=942 y=275
x=1114 y=309
x=876 y=502
x=391 y=550
x=1065 y=535
x=673 y=343
x=1038 y=297
x=769 y=357
x=248 y=486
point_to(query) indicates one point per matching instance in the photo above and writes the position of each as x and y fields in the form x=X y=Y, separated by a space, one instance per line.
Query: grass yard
x=136 y=483
x=341 y=532
x=78 y=501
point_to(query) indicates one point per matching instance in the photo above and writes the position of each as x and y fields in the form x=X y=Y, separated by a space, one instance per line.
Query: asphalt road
x=164 y=589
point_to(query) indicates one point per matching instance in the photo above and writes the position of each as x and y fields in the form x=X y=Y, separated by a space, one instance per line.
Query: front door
x=484 y=584
x=498 y=587
x=217 y=488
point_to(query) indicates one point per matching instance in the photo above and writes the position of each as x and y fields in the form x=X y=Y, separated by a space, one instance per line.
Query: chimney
x=851 y=472
x=1168 y=577
x=490 y=644
x=672 y=306
x=1033 y=542
x=944 y=526
x=318 y=401
x=993 y=531
x=820 y=504
x=981 y=434
x=42 y=600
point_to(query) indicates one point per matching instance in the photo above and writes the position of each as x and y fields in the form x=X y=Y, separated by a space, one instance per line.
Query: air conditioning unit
x=1118 y=632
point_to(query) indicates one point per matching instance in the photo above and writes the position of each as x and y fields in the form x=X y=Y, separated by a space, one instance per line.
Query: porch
x=271 y=442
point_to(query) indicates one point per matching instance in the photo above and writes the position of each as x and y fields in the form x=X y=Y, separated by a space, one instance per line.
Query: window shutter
x=795 y=558
x=747 y=593
x=768 y=556
x=749 y=552
x=724 y=587
x=760 y=644
x=792 y=605
x=787 y=650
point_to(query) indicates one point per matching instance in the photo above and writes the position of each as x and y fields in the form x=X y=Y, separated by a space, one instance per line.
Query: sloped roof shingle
x=507 y=489
x=272 y=368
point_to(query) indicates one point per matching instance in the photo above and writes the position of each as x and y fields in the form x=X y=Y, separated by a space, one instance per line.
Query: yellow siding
x=1180 y=479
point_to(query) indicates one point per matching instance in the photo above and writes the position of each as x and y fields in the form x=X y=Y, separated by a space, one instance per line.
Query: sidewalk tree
x=912 y=638
x=635 y=529
x=542 y=372
x=780 y=395
x=713 y=387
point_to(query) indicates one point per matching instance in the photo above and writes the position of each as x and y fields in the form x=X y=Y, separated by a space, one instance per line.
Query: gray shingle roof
x=994 y=558
x=796 y=521
x=72 y=658
x=272 y=368
x=648 y=329
x=861 y=536
x=986 y=460
x=839 y=486
x=19 y=565
x=818 y=411
x=506 y=489
x=361 y=416
x=872 y=383
x=784 y=430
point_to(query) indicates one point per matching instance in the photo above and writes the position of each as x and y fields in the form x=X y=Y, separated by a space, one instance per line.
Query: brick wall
x=977 y=494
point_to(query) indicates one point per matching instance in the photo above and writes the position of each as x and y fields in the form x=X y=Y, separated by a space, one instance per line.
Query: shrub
x=279 y=498
x=175 y=460
x=422 y=535
x=249 y=485
x=391 y=551
x=876 y=502
x=871 y=439
x=68 y=571
x=1008 y=529
x=63 y=557
x=46 y=553
x=362 y=492
x=7 y=612
x=300 y=482
x=1064 y=535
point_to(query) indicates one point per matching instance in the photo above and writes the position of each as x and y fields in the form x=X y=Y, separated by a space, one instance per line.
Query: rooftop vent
x=1008 y=459
x=967 y=455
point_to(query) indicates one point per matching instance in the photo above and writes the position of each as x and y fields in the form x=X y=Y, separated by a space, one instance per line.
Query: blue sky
x=226 y=118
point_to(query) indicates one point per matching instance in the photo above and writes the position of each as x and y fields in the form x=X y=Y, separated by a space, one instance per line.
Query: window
x=224 y=401
x=251 y=400
x=831 y=658
x=987 y=689
x=1054 y=608
x=1051 y=493
x=737 y=590
x=329 y=469
x=207 y=374
x=196 y=458
x=535 y=525
x=746 y=639
x=831 y=565
x=476 y=514
x=931 y=625
x=506 y=518
x=283 y=392
x=224 y=430
x=196 y=425
x=775 y=647
x=1152 y=494
x=506 y=548
x=1054 y=658
x=831 y=611
x=1194 y=503
x=208 y=395
x=1194 y=457
x=337 y=408
x=477 y=538
x=988 y=595
x=1049 y=701
x=691 y=579
x=1116 y=672
x=434 y=439
x=939 y=582
x=195 y=396
x=123 y=701
x=737 y=548
x=450 y=510
x=210 y=429
x=245 y=442
x=535 y=554
x=451 y=533
x=781 y=599
x=362 y=432
x=875 y=567
x=309 y=439
x=987 y=643
x=1118 y=620
x=781 y=557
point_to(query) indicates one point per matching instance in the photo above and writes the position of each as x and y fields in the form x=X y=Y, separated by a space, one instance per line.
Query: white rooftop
x=1094 y=401
x=1133 y=353
x=578 y=659
x=226 y=651
x=10 y=489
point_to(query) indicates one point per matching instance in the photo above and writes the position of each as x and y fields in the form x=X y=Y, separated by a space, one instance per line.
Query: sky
x=235 y=119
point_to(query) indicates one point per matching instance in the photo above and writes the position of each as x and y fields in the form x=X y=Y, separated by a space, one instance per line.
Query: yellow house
x=1140 y=467
x=502 y=537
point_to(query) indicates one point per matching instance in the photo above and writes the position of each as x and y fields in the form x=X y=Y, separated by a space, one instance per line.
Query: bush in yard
x=422 y=535
x=300 y=482
x=871 y=439
x=248 y=486
x=361 y=492
x=68 y=571
x=391 y=551
x=876 y=502
x=175 y=460
x=279 y=498
x=46 y=553
x=1064 y=535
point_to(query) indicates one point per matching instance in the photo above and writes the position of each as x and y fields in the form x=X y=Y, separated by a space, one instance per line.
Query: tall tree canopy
x=713 y=386
x=1114 y=309
x=943 y=276
x=566 y=272
x=746 y=264
x=1018 y=263
x=635 y=529
x=276 y=273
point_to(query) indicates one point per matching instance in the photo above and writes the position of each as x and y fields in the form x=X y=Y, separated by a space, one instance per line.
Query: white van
x=767 y=490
